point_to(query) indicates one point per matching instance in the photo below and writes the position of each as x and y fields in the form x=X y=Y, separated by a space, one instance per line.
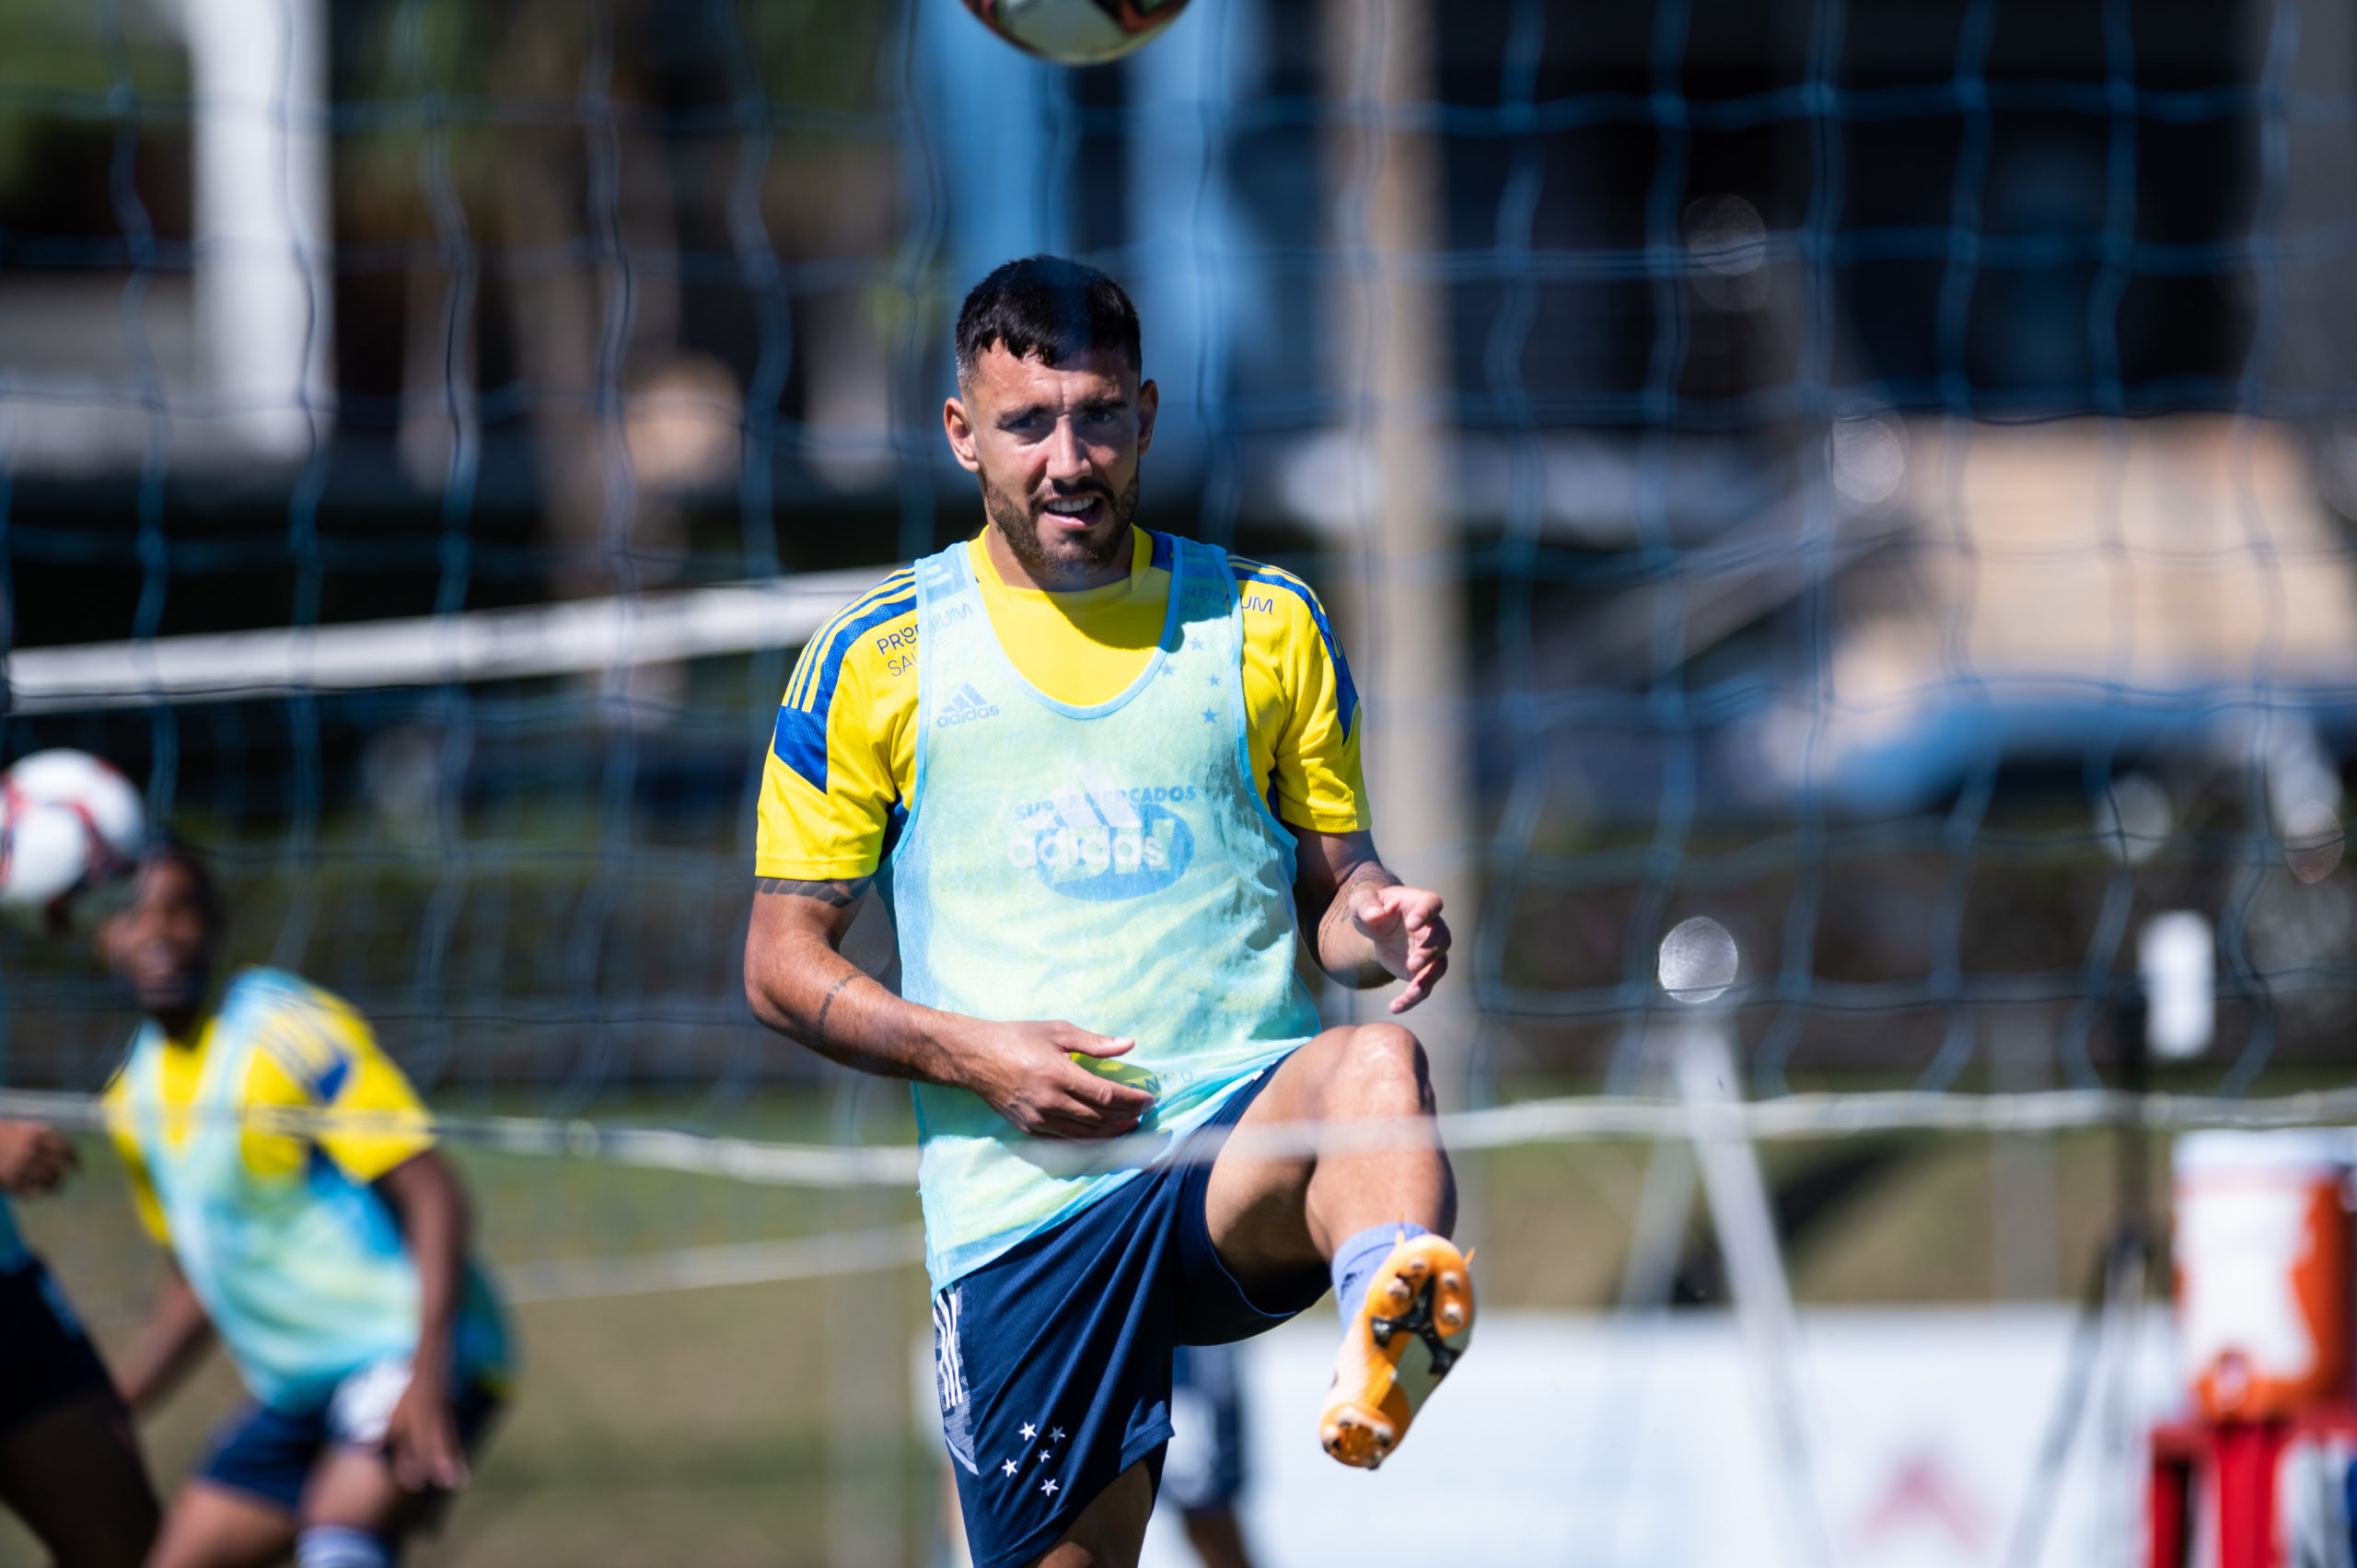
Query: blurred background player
x=1110 y=778
x=69 y=1460
x=1204 y=1473
x=327 y=1245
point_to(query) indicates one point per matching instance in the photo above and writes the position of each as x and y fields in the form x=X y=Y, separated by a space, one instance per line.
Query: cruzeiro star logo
x=1029 y=1432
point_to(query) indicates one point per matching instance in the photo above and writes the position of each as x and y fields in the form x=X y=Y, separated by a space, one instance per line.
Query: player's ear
x=1149 y=404
x=959 y=427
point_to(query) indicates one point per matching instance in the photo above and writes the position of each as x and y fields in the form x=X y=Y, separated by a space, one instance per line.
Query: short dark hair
x=1048 y=307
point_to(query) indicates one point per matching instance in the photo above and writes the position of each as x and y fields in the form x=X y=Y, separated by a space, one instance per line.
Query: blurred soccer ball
x=1078 y=33
x=71 y=829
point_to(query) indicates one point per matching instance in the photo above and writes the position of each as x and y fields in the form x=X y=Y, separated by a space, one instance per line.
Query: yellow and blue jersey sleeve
x=1303 y=707
x=318 y=1053
x=842 y=757
x=843 y=753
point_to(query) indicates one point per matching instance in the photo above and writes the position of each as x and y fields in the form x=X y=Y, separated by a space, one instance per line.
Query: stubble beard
x=1013 y=519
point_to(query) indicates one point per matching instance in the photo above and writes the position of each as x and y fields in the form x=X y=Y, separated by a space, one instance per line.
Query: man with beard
x=1103 y=779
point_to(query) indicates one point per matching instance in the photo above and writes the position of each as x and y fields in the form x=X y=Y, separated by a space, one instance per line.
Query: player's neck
x=1016 y=573
x=183 y=1025
x=179 y=1024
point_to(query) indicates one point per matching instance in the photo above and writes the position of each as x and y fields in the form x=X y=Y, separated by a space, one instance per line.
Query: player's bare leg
x=216 y=1527
x=1111 y=1529
x=354 y=1489
x=1269 y=1214
x=1217 y=1537
x=74 y=1475
x=1274 y=1214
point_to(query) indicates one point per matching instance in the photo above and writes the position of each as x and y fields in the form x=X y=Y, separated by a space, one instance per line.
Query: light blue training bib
x=1115 y=867
x=305 y=1276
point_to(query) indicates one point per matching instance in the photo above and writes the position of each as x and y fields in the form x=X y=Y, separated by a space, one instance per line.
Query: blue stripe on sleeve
x=800 y=739
x=897 y=586
x=1346 y=694
x=1162 y=552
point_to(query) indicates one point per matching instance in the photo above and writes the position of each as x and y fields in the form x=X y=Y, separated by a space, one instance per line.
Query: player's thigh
x=354 y=1487
x=218 y=1526
x=1256 y=1204
x=73 y=1473
x=1109 y=1532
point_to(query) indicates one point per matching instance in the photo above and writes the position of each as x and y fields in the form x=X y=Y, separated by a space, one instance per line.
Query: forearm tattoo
x=1336 y=920
x=819 y=1028
x=834 y=895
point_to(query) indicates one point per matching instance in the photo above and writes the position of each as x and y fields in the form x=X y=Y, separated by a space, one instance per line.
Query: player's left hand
x=422 y=1439
x=1404 y=926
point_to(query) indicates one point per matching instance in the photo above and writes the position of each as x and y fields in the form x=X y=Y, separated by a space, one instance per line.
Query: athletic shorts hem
x=1034 y=1546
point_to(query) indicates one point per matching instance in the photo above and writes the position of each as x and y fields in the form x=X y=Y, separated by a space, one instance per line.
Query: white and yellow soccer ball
x=71 y=832
x=1078 y=33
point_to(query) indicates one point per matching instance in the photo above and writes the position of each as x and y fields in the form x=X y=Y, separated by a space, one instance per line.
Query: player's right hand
x=33 y=1157
x=1025 y=1073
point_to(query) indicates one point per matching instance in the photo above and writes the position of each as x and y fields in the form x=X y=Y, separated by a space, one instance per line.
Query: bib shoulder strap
x=1199 y=574
x=942 y=577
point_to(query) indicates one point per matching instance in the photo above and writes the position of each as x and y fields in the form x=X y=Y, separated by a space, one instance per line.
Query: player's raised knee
x=1382 y=1067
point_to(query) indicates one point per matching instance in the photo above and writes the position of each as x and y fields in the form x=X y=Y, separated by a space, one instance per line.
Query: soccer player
x=1103 y=779
x=69 y=1461
x=291 y=1170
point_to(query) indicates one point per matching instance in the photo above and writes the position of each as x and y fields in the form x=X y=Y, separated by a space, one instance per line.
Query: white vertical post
x=263 y=292
x=1698 y=963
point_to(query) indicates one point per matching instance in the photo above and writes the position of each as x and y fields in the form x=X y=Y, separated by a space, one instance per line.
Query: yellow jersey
x=842 y=757
x=317 y=1054
x=250 y=1148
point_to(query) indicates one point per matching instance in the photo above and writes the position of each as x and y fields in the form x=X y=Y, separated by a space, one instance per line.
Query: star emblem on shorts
x=1057 y=1435
x=1010 y=1467
x=1048 y=1487
x=1045 y=1455
x=1029 y=1432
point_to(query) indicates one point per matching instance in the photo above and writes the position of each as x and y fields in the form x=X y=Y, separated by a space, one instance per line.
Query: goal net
x=1876 y=479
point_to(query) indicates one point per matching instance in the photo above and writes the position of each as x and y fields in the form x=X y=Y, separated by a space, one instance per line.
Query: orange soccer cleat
x=1416 y=1320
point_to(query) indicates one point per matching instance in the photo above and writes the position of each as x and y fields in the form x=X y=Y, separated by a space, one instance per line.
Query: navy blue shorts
x=46 y=1360
x=269 y=1454
x=1054 y=1360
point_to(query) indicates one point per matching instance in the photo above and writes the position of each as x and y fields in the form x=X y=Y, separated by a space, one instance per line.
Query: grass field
x=777 y=1424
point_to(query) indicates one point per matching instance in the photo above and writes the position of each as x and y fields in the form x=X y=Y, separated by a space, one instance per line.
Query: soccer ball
x=70 y=826
x=1078 y=33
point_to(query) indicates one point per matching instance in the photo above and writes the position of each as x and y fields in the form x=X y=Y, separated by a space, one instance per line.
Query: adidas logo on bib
x=965 y=705
x=1096 y=841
